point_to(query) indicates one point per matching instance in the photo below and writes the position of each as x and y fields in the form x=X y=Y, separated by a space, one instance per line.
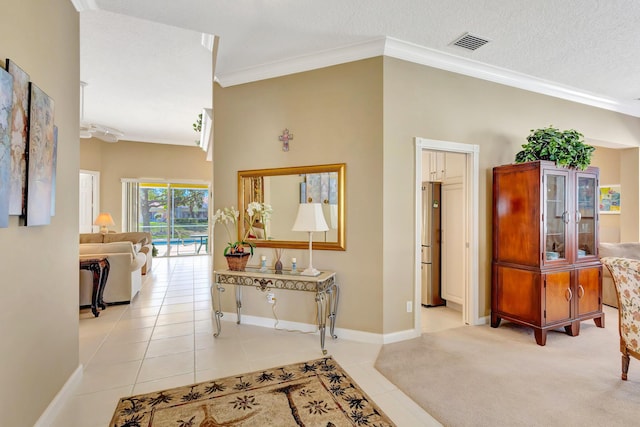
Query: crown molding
x=399 y=49
x=424 y=56
x=322 y=59
x=82 y=5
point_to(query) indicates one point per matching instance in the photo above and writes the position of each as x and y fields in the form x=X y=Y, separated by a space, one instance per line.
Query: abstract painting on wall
x=40 y=159
x=609 y=199
x=6 y=101
x=19 y=128
x=53 y=170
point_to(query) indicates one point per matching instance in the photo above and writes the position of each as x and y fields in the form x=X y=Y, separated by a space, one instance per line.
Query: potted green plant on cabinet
x=567 y=148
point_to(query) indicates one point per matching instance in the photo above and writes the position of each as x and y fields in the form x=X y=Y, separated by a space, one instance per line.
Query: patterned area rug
x=314 y=393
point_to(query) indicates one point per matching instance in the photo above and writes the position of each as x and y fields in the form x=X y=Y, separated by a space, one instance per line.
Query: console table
x=323 y=285
x=99 y=267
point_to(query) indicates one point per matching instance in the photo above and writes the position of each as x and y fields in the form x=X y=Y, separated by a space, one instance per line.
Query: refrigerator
x=430 y=240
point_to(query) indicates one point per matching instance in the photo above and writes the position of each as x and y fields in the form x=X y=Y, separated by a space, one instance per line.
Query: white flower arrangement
x=229 y=218
x=258 y=212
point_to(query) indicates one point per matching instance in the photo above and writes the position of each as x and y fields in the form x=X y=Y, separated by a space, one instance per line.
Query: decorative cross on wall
x=285 y=138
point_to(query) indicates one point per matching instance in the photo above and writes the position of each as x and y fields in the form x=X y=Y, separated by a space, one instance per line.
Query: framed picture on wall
x=40 y=161
x=19 y=130
x=609 y=199
x=6 y=101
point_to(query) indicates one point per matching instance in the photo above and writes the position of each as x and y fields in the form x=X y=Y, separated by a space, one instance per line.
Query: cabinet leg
x=599 y=321
x=541 y=336
x=495 y=320
x=573 y=329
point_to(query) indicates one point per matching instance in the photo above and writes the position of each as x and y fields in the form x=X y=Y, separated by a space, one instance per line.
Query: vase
x=278 y=267
x=237 y=261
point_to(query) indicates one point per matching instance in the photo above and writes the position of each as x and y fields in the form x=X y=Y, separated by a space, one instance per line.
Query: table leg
x=321 y=301
x=238 y=302
x=95 y=293
x=104 y=275
x=334 y=294
x=218 y=309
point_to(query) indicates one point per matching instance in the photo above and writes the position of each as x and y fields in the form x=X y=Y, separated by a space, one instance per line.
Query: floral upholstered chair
x=626 y=277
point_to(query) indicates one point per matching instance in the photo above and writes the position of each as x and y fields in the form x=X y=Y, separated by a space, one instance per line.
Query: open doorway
x=175 y=213
x=446 y=238
x=442 y=240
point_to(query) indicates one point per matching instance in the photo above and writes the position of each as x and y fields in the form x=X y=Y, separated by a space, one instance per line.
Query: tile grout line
x=144 y=356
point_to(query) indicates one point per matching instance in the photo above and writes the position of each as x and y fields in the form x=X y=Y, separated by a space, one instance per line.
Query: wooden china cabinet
x=546 y=273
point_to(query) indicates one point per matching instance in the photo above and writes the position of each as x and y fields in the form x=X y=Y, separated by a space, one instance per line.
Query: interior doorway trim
x=89 y=205
x=471 y=184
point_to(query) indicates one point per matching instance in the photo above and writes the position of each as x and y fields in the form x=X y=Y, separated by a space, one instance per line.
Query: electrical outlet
x=409 y=306
x=271 y=297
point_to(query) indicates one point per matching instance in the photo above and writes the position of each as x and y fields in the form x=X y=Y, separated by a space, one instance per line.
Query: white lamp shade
x=310 y=218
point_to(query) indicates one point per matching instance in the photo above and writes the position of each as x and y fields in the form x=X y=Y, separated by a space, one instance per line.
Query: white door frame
x=95 y=195
x=471 y=184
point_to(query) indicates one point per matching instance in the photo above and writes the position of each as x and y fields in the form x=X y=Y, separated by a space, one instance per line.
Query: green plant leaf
x=566 y=148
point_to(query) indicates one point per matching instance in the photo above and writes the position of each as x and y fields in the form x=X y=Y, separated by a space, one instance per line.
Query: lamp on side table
x=104 y=220
x=310 y=218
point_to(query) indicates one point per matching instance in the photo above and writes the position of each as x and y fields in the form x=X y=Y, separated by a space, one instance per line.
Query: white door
x=453 y=243
x=89 y=200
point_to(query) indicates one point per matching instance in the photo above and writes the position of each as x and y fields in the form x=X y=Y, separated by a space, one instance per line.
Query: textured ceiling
x=149 y=76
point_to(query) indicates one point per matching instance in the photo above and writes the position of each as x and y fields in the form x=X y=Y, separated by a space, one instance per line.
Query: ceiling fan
x=94 y=130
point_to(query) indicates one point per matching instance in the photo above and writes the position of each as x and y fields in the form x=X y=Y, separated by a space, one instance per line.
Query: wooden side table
x=99 y=268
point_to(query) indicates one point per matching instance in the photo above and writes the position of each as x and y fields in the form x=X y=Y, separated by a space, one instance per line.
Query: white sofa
x=125 y=271
x=141 y=240
x=620 y=250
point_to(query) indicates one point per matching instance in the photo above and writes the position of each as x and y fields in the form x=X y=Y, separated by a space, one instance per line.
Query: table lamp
x=310 y=218
x=104 y=220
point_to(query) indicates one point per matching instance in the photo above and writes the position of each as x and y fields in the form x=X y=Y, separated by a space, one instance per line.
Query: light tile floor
x=436 y=319
x=164 y=339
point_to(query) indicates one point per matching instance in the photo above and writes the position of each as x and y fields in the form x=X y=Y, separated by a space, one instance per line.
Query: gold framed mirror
x=283 y=189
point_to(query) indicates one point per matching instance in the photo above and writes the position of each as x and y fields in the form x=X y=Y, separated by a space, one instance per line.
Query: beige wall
x=436 y=104
x=39 y=265
x=126 y=159
x=608 y=160
x=335 y=115
x=629 y=195
x=366 y=114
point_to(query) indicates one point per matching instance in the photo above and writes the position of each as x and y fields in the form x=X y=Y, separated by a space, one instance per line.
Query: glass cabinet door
x=556 y=215
x=585 y=220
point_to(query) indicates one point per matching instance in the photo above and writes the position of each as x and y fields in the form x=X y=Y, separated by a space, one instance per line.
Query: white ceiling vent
x=470 y=42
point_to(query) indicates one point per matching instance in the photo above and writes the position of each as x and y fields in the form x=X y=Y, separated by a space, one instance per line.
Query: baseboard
x=347 y=334
x=64 y=395
x=484 y=320
x=408 y=334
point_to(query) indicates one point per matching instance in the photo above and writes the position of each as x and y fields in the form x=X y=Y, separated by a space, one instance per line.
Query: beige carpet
x=481 y=376
x=315 y=393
